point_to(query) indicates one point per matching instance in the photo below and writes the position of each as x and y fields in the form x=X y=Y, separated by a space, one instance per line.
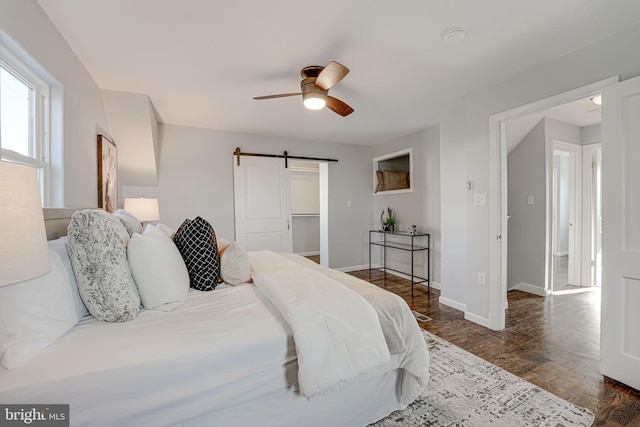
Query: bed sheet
x=220 y=349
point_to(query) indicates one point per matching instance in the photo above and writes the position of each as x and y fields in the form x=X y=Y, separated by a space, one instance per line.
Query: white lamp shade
x=24 y=253
x=143 y=209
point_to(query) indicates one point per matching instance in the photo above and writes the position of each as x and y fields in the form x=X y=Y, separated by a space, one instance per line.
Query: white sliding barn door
x=262 y=195
x=620 y=349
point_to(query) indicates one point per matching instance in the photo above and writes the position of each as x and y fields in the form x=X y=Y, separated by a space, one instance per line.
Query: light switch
x=480 y=199
x=348 y=203
x=482 y=279
x=530 y=200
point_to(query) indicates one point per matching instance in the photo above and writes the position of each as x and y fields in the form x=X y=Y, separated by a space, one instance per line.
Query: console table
x=404 y=242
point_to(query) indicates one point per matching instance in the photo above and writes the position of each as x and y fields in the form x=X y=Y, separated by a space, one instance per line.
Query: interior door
x=620 y=349
x=262 y=195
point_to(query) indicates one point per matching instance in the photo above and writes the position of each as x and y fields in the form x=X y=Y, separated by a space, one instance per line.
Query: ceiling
x=580 y=113
x=202 y=61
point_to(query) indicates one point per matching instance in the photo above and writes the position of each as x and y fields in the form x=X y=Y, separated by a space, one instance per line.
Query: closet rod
x=284 y=156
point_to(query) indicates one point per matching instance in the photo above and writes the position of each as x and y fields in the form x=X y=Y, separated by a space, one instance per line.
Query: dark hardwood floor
x=552 y=342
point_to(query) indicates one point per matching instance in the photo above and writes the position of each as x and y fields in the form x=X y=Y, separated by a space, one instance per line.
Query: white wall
x=195 y=177
x=305 y=192
x=465 y=151
x=306 y=235
x=134 y=127
x=78 y=113
x=527 y=177
x=591 y=134
x=420 y=207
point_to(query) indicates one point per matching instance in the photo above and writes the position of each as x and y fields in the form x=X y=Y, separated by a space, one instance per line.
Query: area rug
x=465 y=390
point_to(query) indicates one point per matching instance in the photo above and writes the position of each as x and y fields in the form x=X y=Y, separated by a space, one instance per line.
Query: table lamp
x=143 y=209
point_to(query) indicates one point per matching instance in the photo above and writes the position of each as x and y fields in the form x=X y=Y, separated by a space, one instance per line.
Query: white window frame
x=39 y=127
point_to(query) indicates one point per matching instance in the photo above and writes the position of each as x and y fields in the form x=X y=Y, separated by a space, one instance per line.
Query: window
x=24 y=117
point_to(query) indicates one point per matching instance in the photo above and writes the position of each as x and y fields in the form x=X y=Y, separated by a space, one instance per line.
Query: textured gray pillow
x=130 y=222
x=98 y=253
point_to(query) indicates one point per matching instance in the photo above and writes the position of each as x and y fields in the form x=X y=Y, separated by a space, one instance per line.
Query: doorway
x=499 y=200
x=566 y=248
x=305 y=208
x=264 y=204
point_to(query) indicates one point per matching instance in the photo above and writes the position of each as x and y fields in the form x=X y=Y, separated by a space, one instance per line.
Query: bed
x=235 y=356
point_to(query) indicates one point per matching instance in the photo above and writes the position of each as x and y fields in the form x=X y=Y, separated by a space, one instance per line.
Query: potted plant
x=391 y=220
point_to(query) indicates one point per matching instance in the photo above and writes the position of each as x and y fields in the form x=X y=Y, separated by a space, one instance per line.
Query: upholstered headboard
x=56 y=221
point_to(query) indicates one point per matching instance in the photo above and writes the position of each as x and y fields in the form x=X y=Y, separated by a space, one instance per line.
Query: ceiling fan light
x=314 y=100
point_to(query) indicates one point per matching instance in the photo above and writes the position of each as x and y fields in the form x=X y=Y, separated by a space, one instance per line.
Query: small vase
x=391 y=228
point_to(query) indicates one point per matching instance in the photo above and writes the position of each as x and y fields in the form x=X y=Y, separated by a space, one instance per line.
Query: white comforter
x=336 y=332
x=221 y=349
x=400 y=329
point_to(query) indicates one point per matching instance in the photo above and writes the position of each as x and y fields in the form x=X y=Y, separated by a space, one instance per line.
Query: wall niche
x=393 y=173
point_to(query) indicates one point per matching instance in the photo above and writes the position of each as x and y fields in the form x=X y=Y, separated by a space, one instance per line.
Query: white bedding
x=336 y=332
x=400 y=330
x=222 y=349
x=218 y=350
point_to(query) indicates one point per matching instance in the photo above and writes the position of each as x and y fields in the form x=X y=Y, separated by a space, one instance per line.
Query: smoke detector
x=453 y=35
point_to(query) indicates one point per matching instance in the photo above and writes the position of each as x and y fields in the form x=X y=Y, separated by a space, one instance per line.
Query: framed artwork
x=107 y=174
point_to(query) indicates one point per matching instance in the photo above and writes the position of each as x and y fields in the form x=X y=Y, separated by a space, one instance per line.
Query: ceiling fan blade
x=282 y=95
x=337 y=106
x=331 y=75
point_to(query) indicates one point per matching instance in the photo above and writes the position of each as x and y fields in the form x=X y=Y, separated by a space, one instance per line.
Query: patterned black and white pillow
x=197 y=244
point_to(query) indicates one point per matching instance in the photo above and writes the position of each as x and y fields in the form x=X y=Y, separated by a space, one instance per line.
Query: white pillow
x=165 y=229
x=130 y=222
x=60 y=246
x=34 y=314
x=222 y=244
x=235 y=266
x=158 y=269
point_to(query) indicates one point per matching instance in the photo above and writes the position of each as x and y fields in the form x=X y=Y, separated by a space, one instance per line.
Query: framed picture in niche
x=107 y=174
x=393 y=172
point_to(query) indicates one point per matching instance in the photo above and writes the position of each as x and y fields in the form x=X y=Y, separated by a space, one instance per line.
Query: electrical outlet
x=482 y=279
x=348 y=203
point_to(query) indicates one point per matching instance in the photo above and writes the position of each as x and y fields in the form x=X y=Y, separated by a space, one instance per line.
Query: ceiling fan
x=315 y=85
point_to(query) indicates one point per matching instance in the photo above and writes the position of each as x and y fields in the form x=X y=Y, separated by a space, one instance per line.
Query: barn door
x=262 y=194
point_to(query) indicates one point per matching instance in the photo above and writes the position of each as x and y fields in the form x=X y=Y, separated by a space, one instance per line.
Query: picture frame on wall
x=107 y=174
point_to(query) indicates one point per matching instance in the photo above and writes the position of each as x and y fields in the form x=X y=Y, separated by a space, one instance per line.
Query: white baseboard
x=315 y=253
x=532 y=289
x=354 y=268
x=482 y=321
x=434 y=285
x=563 y=253
x=453 y=304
